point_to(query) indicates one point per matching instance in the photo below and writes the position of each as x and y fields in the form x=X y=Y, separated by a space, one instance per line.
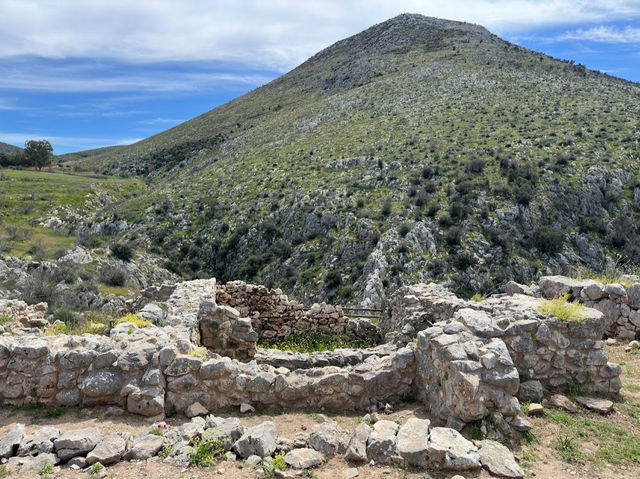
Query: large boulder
x=258 y=440
x=381 y=444
x=325 y=438
x=449 y=450
x=412 y=441
x=10 y=443
x=108 y=451
x=499 y=460
x=144 y=446
x=304 y=458
x=76 y=443
x=357 y=448
x=40 y=442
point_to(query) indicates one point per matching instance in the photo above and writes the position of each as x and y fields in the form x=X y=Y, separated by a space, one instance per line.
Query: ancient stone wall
x=147 y=371
x=619 y=303
x=274 y=316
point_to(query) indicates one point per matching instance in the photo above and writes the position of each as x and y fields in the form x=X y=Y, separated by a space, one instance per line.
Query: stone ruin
x=463 y=360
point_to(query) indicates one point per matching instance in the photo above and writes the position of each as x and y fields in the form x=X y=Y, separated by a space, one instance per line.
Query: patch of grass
x=478 y=297
x=46 y=470
x=95 y=469
x=4 y=471
x=312 y=342
x=562 y=309
x=206 y=452
x=135 y=320
x=567 y=449
x=198 y=352
x=4 y=319
x=156 y=431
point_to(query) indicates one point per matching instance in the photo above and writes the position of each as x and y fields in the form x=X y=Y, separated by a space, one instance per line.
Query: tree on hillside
x=38 y=153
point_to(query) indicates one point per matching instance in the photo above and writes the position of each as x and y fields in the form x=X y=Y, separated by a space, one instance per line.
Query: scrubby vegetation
x=312 y=342
x=563 y=309
x=456 y=157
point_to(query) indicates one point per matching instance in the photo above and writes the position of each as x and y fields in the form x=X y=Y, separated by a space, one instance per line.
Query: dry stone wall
x=619 y=303
x=274 y=316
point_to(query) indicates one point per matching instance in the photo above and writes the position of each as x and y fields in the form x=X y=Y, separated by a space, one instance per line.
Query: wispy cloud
x=605 y=34
x=161 y=121
x=276 y=34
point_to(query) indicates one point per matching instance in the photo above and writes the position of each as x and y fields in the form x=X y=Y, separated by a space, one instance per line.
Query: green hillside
x=418 y=149
x=5 y=148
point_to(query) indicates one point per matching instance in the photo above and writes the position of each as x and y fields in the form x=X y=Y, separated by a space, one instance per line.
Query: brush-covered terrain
x=419 y=149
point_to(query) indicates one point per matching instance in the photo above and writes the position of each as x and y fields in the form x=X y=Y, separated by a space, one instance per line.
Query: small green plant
x=574 y=388
x=563 y=309
x=206 y=451
x=567 y=449
x=156 y=431
x=478 y=297
x=172 y=411
x=4 y=472
x=277 y=463
x=524 y=407
x=4 y=319
x=316 y=417
x=476 y=432
x=198 y=352
x=165 y=451
x=54 y=411
x=46 y=470
x=135 y=320
x=95 y=469
x=311 y=342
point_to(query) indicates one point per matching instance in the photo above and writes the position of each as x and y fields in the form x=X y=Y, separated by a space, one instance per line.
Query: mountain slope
x=9 y=149
x=417 y=149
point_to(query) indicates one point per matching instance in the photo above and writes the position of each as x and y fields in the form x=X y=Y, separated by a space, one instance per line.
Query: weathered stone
x=449 y=450
x=40 y=442
x=196 y=409
x=412 y=441
x=561 y=401
x=259 y=440
x=602 y=406
x=77 y=442
x=499 y=461
x=108 y=451
x=102 y=383
x=303 y=458
x=247 y=408
x=144 y=446
x=530 y=391
x=535 y=409
x=357 y=448
x=10 y=443
x=381 y=444
x=633 y=293
x=325 y=438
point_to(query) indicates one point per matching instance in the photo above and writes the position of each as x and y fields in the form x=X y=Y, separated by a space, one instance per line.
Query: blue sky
x=91 y=73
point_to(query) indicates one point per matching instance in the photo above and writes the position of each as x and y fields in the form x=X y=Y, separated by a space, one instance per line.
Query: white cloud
x=277 y=34
x=605 y=34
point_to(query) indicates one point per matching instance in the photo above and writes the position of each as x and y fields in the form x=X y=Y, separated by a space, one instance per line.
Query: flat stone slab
x=77 y=442
x=303 y=458
x=602 y=406
x=381 y=444
x=499 y=460
x=259 y=440
x=561 y=401
x=449 y=450
x=412 y=441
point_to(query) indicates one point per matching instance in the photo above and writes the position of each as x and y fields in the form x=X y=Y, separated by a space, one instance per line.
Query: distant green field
x=28 y=197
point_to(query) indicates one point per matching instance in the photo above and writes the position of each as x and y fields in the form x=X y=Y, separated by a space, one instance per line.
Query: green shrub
x=206 y=451
x=548 y=240
x=121 y=251
x=563 y=309
x=567 y=449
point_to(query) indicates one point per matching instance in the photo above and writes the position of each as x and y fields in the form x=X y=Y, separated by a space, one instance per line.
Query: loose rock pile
x=28 y=316
x=415 y=443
